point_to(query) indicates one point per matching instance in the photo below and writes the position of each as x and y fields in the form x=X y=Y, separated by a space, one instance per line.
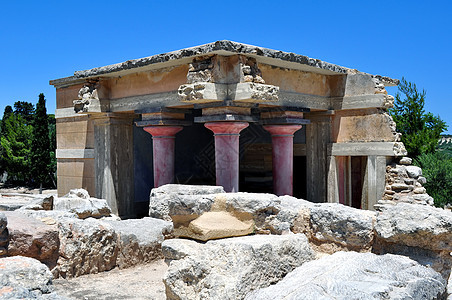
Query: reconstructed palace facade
x=244 y=117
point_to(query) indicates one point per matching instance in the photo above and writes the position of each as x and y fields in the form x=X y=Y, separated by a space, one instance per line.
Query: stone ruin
x=222 y=245
x=286 y=128
x=246 y=118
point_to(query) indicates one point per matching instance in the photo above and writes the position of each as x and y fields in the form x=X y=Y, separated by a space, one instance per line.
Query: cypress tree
x=40 y=149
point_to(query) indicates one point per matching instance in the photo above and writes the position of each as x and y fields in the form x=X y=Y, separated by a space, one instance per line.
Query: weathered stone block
x=230 y=268
x=140 y=240
x=350 y=275
x=32 y=238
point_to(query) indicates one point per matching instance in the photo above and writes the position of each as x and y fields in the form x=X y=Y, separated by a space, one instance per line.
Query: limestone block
x=231 y=268
x=202 y=92
x=416 y=225
x=140 y=240
x=25 y=278
x=350 y=275
x=174 y=249
x=42 y=203
x=215 y=225
x=79 y=202
x=86 y=247
x=203 y=216
x=421 y=232
x=413 y=171
x=253 y=92
x=32 y=238
x=335 y=224
x=405 y=161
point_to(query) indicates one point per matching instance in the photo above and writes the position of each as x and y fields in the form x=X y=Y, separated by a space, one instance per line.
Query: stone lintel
x=359 y=102
x=225 y=103
x=162 y=122
x=161 y=109
x=283 y=108
x=284 y=121
x=363 y=149
x=225 y=117
x=113 y=118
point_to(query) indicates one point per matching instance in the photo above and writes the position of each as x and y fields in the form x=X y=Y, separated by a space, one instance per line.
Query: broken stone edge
x=223 y=47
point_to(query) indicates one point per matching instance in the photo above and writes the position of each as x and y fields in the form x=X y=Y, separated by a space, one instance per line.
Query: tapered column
x=282 y=154
x=227 y=153
x=163 y=138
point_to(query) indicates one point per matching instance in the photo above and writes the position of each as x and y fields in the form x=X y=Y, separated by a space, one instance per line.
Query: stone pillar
x=318 y=136
x=374 y=181
x=113 y=155
x=163 y=138
x=227 y=153
x=282 y=154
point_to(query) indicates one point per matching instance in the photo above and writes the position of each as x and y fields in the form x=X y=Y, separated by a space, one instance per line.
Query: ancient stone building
x=247 y=118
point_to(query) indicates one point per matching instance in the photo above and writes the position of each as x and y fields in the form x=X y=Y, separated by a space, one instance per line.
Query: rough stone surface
x=86 y=246
x=413 y=171
x=174 y=249
x=330 y=227
x=224 y=45
x=405 y=161
x=423 y=233
x=215 y=225
x=40 y=203
x=32 y=238
x=140 y=240
x=351 y=275
x=4 y=235
x=206 y=212
x=343 y=225
x=49 y=217
x=25 y=278
x=404 y=184
x=231 y=268
x=83 y=207
x=176 y=199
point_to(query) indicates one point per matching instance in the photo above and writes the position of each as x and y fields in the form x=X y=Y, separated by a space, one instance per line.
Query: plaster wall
x=303 y=82
x=150 y=82
x=370 y=125
x=65 y=95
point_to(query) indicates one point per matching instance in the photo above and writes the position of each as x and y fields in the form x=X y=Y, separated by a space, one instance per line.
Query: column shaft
x=163 y=142
x=282 y=155
x=227 y=153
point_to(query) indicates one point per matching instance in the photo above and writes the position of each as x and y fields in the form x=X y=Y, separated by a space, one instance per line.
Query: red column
x=282 y=144
x=227 y=153
x=163 y=152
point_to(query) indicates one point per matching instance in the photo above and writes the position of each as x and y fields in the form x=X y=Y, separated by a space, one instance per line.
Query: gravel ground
x=140 y=282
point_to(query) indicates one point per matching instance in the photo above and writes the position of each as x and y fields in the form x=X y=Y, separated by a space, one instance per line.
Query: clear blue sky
x=43 y=40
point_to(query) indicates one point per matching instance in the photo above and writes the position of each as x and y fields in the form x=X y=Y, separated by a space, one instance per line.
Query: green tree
x=40 y=148
x=420 y=130
x=52 y=137
x=8 y=111
x=25 y=109
x=437 y=169
x=16 y=143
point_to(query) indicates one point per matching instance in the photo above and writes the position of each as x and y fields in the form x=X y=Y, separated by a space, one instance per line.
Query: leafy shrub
x=437 y=169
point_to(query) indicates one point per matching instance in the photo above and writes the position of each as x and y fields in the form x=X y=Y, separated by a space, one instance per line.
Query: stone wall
x=404 y=183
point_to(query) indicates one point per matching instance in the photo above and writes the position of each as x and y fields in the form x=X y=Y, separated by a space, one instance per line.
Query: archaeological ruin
x=246 y=118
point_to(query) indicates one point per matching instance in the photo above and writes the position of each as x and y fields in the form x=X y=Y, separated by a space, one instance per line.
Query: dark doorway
x=299 y=177
x=358 y=170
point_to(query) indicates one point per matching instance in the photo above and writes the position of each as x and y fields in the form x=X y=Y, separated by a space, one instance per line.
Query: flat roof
x=226 y=48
